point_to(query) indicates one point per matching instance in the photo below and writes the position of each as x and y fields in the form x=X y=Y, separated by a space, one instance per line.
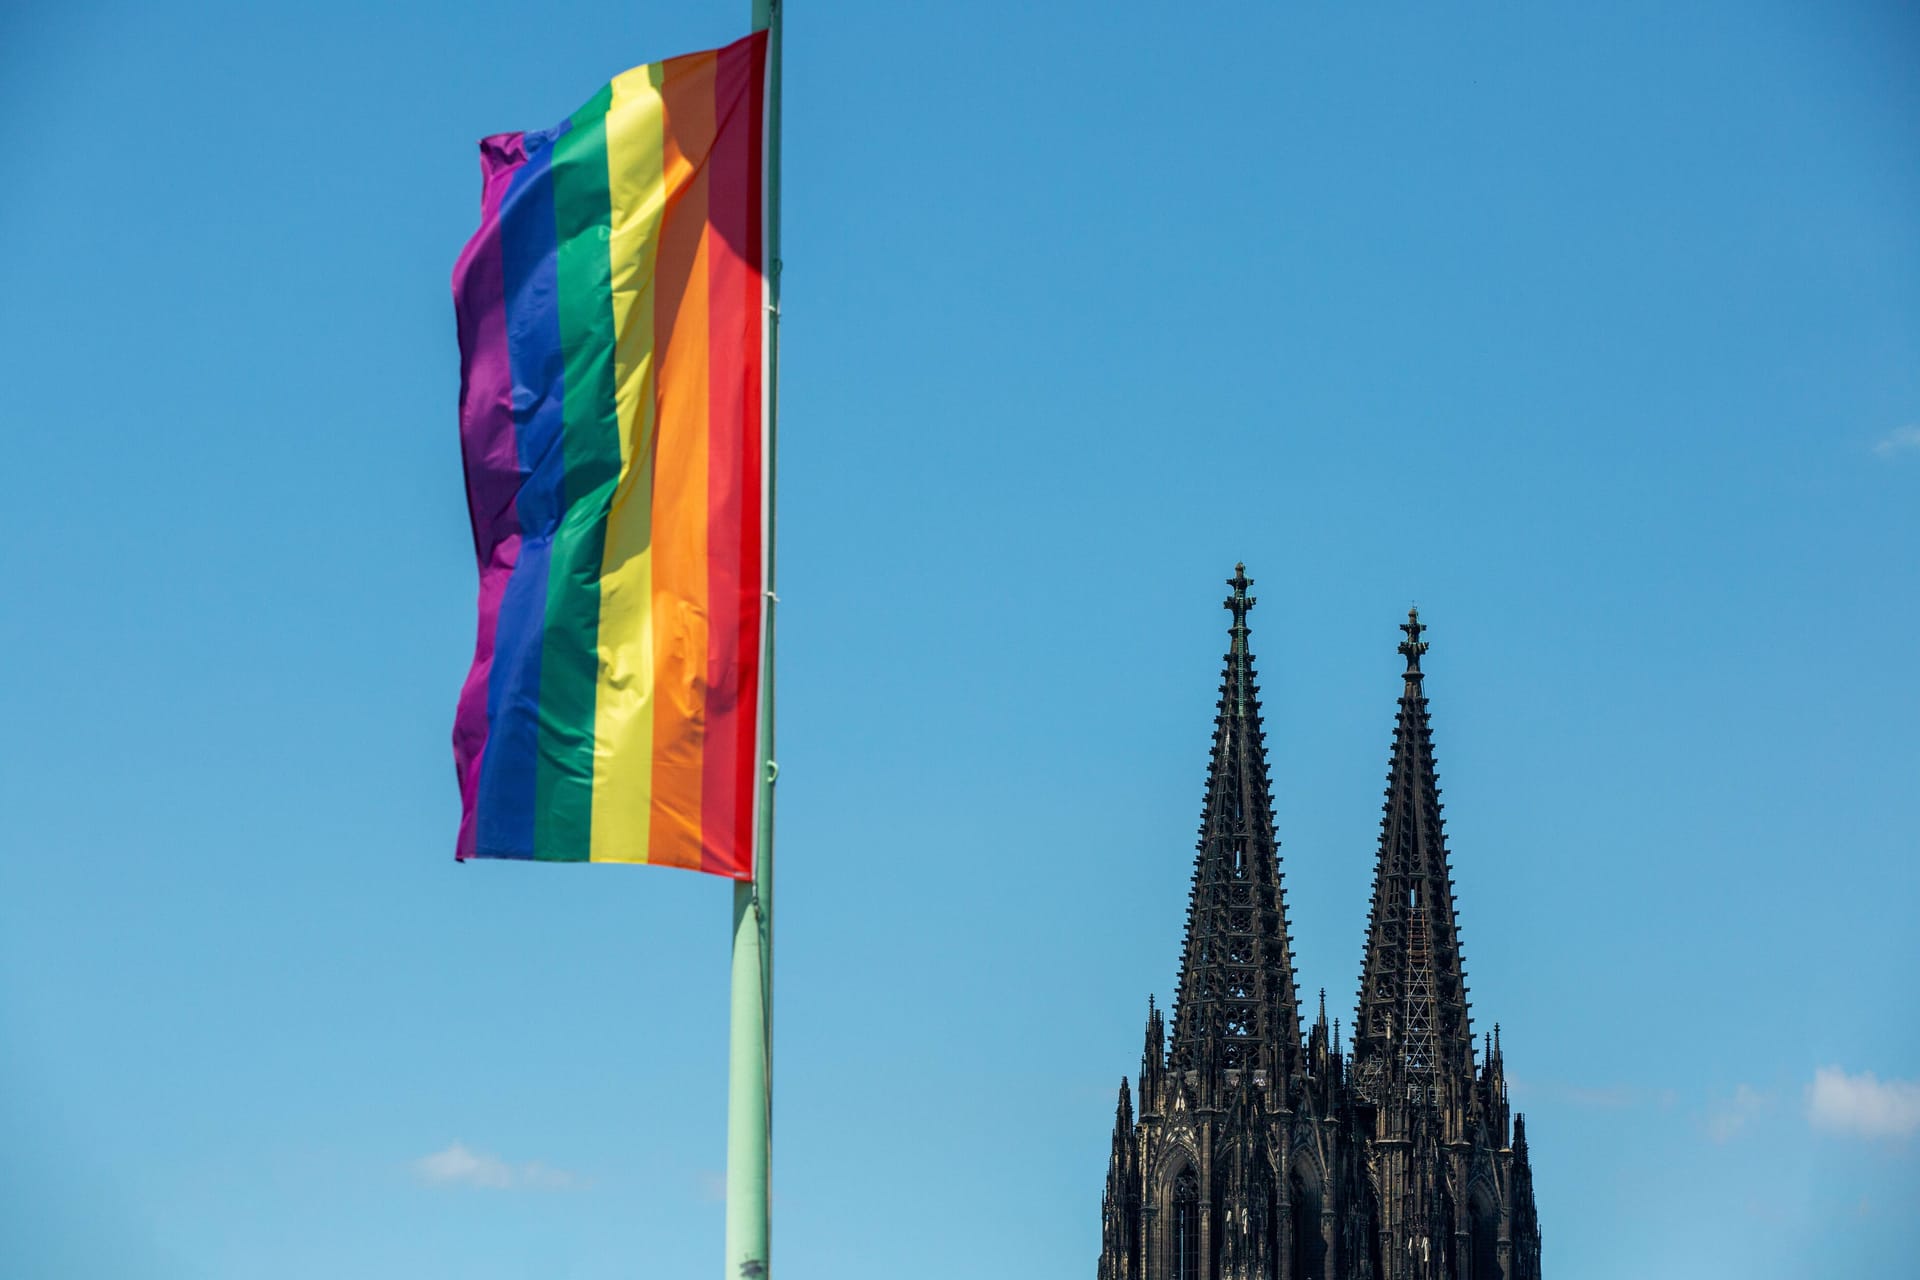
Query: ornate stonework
x=1260 y=1153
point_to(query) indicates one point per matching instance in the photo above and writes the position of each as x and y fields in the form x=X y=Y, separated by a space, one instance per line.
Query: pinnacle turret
x=1120 y=1201
x=1153 y=1056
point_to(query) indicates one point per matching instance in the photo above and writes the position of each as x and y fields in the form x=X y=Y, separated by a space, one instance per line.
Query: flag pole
x=750 y=1022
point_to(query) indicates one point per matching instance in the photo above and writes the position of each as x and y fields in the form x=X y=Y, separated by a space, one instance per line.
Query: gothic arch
x=1484 y=1182
x=1482 y=1169
x=1177 y=1154
x=1304 y=1151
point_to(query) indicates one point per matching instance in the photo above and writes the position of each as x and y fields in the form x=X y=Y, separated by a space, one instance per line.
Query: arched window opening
x=1486 y=1237
x=1186 y=1226
x=1309 y=1249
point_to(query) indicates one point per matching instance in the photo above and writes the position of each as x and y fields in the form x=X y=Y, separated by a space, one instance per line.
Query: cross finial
x=1239 y=602
x=1413 y=646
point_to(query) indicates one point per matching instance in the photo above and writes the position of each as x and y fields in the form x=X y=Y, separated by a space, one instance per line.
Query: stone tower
x=1257 y=1153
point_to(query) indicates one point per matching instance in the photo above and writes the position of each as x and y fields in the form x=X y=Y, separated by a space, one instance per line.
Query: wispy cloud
x=1726 y=1117
x=538 y=1173
x=461 y=1166
x=1863 y=1105
x=1899 y=440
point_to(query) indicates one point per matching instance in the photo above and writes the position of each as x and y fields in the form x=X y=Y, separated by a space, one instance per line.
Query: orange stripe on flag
x=680 y=477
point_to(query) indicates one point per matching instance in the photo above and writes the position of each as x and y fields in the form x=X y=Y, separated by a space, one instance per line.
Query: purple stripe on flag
x=529 y=252
x=489 y=450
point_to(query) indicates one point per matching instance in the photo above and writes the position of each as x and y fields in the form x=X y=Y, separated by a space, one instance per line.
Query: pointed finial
x=1323 y=1006
x=1238 y=604
x=1413 y=646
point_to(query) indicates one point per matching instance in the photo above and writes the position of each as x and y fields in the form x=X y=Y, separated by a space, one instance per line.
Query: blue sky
x=1593 y=329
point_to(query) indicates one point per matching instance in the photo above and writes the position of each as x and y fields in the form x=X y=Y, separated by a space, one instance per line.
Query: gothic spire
x=1413 y=991
x=1120 y=1203
x=1153 y=1057
x=1236 y=1003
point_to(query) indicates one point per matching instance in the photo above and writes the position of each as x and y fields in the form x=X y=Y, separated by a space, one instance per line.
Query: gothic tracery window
x=1186 y=1226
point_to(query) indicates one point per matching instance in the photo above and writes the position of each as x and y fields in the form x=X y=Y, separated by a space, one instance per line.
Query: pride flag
x=612 y=312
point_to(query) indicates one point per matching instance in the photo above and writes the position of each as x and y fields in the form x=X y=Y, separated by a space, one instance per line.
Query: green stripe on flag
x=569 y=668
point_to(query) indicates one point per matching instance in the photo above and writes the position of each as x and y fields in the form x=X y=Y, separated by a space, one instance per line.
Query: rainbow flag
x=612 y=313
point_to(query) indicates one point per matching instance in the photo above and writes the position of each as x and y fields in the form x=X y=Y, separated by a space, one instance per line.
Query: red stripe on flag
x=753 y=511
x=733 y=418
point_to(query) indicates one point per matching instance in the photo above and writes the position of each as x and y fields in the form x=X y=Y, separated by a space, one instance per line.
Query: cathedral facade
x=1264 y=1151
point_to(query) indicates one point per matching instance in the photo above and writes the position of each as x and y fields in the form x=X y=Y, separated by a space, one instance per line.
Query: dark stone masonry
x=1260 y=1153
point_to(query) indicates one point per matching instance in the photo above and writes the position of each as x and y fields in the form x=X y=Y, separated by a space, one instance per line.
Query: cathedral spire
x=1242 y=1151
x=1413 y=993
x=1236 y=1002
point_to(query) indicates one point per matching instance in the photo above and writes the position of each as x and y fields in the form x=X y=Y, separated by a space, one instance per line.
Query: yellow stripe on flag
x=625 y=698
